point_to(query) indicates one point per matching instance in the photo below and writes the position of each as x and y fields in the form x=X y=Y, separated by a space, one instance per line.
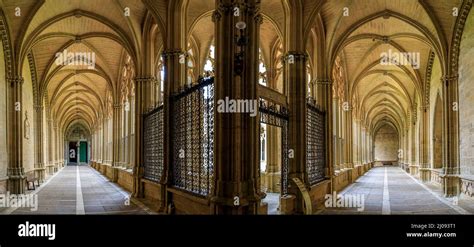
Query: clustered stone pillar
x=15 y=172
x=55 y=147
x=116 y=139
x=237 y=188
x=325 y=101
x=335 y=135
x=39 y=154
x=349 y=138
x=349 y=158
x=295 y=68
x=424 y=143
x=49 y=132
x=142 y=85
x=450 y=176
x=174 y=79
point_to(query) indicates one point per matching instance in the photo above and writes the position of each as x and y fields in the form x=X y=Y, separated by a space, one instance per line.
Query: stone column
x=335 y=134
x=414 y=165
x=356 y=136
x=450 y=175
x=425 y=172
x=273 y=160
x=348 y=154
x=61 y=145
x=100 y=142
x=368 y=146
x=55 y=147
x=39 y=152
x=105 y=128
x=49 y=127
x=349 y=138
x=15 y=171
x=116 y=150
x=142 y=104
x=129 y=160
x=362 y=143
x=236 y=134
x=175 y=78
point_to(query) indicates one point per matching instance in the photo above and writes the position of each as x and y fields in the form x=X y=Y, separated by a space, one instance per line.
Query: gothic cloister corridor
x=399 y=193
x=237 y=107
x=81 y=190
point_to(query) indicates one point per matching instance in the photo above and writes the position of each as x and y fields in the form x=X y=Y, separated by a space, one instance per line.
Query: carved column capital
x=323 y=81
x=15 y=80
x=172 y=53
x=38 y=108
x=145 y=79
x=448 y=79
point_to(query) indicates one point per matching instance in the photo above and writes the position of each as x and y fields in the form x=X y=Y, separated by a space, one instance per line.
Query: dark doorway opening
x=72 y=153
x=83 y=152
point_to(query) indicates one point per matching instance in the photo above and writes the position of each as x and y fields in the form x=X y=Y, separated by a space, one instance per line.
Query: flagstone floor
x=80 y=190
x=390 y=190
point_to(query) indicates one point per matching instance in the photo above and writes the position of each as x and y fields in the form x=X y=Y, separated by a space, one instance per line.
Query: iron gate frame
x=184 y=112
x=315 y=143
x=153 y=150
x=274 y=114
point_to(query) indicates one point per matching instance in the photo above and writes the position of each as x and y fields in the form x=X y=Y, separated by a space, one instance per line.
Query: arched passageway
x=194 y=107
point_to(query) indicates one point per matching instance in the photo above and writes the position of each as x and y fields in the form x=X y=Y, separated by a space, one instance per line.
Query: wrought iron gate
x=153 y=144
x=315 y=143
x=274 y=114
x=192 y=135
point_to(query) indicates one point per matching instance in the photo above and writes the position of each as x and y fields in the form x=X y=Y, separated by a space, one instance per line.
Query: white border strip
x=386 y=195
x=79 y=198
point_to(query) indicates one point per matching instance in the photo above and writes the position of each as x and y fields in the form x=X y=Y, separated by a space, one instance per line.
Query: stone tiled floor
x=403 y=195
x=273 y=200
x=61 y=195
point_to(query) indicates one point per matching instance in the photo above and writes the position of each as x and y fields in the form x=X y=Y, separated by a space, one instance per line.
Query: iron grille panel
x=153 y=144
x=315 y=143
x=274 y=114
x=193 y=138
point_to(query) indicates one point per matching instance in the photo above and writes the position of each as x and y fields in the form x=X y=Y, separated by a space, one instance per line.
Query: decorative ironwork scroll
x=274 y=114
x=192 y=135
x=153 y=144
x=315 y=143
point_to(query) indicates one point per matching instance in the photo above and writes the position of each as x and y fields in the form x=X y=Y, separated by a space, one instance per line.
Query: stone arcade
x=153 y=119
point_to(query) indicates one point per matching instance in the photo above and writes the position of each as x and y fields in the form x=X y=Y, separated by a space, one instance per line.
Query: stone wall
x=466 y=98
x=28 y=110
x=435 y=90
x=386 y=144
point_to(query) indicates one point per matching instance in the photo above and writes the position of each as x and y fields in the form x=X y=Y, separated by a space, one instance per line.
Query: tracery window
x=262 y=70
x=191 y=63
x=160 y=79
x=309 y=80
x=209 y=64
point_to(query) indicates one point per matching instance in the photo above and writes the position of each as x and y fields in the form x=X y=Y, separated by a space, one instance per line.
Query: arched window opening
x=209 y=64
x=160 y=88
x=262 y=70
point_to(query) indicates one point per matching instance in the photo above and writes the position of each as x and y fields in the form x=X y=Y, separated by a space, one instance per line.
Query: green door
x=83 y=151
